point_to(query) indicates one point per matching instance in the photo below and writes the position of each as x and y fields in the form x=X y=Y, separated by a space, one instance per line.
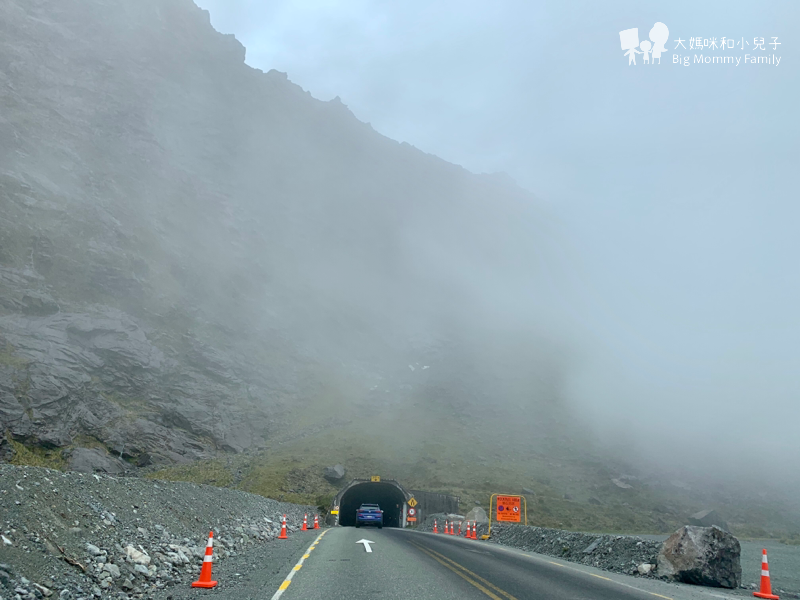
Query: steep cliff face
x=189 y=246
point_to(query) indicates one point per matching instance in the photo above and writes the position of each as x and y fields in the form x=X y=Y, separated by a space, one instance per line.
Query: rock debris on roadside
x=616 y=553
x=77 y=536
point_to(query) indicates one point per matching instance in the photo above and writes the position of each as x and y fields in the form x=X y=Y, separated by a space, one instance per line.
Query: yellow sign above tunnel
x=375 y=478
x=412 y=502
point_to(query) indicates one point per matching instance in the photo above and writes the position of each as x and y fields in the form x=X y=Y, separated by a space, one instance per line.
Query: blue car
x=369 y=514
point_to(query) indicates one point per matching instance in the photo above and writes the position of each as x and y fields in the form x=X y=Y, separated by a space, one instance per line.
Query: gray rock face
x=478 y=515
x=334 y=473
x=113 y=569
x=708 y=518
x=163 y=287
x=100 y=374
x=591 y=547
x=91 y=460
x=701 y=556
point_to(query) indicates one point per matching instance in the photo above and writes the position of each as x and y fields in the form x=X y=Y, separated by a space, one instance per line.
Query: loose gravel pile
x=77 y=536
x=618 y=553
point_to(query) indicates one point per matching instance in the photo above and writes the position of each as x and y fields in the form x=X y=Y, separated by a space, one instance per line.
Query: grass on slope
x=36 y=456
x=441 y=451
x=446 y=454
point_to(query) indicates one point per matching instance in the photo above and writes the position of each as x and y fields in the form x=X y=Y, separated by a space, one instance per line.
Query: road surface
x=409 y=565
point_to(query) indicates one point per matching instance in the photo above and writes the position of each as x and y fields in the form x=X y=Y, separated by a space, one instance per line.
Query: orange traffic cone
x=467 y=536
x=435 y=527
x=305 y=523
x=283 y=535
x=474 y=530
x=766 y=586
x=459 y=528
x=205 y=571
x=452 y=528
x=316 y=521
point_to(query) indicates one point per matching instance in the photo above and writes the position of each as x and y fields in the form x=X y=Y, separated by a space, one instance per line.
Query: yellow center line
x=548 y=561
x=474 y=575
x=462 y=575
x=297 y=567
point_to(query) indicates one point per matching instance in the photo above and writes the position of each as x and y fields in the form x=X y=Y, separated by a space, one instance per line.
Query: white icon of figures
x=628 y=40
x=645 y=46
x=659 y=35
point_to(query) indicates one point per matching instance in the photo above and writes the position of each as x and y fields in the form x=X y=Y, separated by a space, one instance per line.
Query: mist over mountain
x=196 y=256
x=189 y=244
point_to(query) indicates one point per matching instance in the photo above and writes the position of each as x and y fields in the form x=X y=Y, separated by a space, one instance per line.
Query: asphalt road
x=406 y=565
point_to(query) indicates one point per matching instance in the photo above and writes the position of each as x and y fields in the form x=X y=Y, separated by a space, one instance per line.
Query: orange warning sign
x=509 y=508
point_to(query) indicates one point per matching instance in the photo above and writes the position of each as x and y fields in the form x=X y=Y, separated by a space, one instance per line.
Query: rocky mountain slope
x=192 y=250
x=207 y=272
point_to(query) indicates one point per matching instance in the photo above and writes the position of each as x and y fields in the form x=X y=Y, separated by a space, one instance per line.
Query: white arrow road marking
x=366 y=544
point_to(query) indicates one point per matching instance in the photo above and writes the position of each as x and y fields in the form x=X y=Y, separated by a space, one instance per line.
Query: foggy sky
x=676 y=187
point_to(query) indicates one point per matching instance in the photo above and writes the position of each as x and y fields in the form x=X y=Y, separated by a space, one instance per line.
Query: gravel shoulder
x=254 y=574
x=625 y=553
x=94 y=536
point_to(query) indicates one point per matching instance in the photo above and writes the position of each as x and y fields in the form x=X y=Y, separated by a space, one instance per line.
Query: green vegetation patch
x=37 y=456
x=9 y=358
x=210 y=472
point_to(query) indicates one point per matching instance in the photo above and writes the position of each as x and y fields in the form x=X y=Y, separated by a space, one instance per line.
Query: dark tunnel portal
x=389 y=497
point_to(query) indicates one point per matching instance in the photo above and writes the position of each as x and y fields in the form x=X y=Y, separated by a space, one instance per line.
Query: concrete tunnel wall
x=389 y=495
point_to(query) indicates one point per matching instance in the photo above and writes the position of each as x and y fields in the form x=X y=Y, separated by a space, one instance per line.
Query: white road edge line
x=612 y=580
x=545 y=557
x=296 y=568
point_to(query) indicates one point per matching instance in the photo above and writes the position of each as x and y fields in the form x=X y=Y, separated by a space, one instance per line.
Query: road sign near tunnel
x=412 y=502
x=508 y=508
x=375 y=478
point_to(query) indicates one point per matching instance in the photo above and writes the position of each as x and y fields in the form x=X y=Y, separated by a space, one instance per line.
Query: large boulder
x=701 y=556
x=708 y=518
x=335 y=473
x=478 y=515
x=89 y=460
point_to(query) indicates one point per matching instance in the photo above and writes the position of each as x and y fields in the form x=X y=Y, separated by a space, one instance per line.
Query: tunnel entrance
x=389 y=495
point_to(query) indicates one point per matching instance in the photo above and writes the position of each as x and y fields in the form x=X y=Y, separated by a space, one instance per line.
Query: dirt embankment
x=73 y=535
